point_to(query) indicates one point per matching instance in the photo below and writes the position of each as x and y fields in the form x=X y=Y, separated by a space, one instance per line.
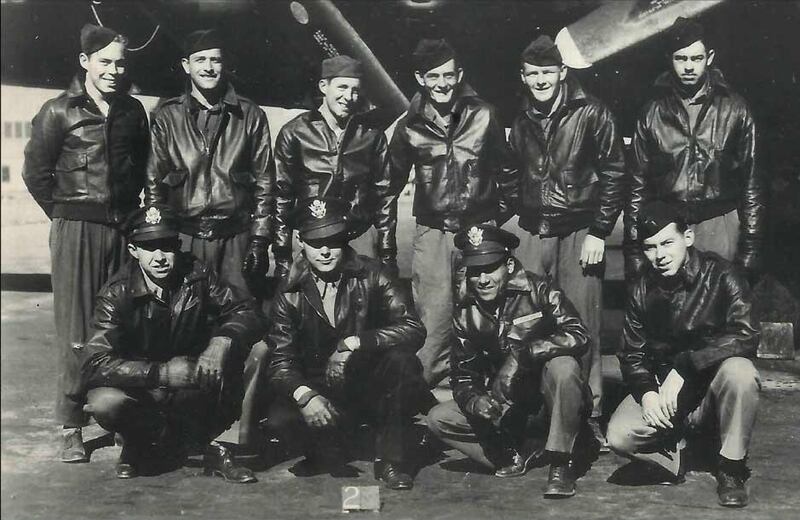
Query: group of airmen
x=166 y=340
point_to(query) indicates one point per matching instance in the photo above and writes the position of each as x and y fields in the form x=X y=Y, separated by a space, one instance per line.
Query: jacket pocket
x=72 y=175
x=423 y=174
x=578 y=187
x=174 y=181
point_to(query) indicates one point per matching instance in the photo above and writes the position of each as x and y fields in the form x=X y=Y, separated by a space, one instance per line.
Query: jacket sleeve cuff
x=599 y=232
x=683 y=365
x=640 y=389
x=369 y=340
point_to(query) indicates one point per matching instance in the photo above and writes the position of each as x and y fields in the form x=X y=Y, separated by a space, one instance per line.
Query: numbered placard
x=361 y=498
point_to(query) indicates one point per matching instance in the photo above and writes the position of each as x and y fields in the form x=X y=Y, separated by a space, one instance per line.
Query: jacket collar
x=76 y=87
x=464 y=96
x=300 y=272
x=691 y=267
x=717 y=84
x=518 y=282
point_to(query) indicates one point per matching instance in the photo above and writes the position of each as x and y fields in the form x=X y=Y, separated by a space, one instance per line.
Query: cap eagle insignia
x=318 y=209
x=475 y=236
x=152 y=216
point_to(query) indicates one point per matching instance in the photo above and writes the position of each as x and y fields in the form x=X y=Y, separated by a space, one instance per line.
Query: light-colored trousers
x=731 y=400
x=719 y=235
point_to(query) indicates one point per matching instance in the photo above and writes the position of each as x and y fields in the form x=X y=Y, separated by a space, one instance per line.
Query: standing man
x=335 y=151
x=458 y=149
x=344 y=340
x=569 y=193
x=163 y=367
x=695 y=147
x=518 y=345
x=85 y=167
x=688 y=337
x=211 y=161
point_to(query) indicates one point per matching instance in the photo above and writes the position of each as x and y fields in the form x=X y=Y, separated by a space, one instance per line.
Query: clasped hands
x=204 y=372
x=658 y=408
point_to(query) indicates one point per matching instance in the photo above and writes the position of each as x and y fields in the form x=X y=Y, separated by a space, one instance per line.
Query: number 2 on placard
x=350 y=501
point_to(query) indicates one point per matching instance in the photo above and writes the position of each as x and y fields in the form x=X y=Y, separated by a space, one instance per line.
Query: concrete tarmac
x=36 y=485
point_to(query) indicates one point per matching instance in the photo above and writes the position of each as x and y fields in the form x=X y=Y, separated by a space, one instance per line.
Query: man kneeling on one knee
x=345 y=340
x=688 y=335
x=518 y=345
x=163 y=367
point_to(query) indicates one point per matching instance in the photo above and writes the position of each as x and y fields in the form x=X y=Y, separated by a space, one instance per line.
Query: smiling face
x=489 y=282
x=690 y=63
x=440 y=82
x=156 y=257
x=105 y=68
x=205 y=68
x=324 y=256
x=544 y=82
x=667 y=250
x=341 y=95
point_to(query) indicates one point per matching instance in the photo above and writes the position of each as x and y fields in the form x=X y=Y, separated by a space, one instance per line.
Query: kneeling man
x=345 y=340
x=687 y=338
x=163 y=367
x=518 y=344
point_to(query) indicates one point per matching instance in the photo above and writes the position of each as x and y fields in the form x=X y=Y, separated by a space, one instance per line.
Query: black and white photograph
x=402 y=259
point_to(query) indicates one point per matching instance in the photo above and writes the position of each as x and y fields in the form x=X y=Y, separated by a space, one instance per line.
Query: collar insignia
x=152 y=216
x=475 y=236
x=318 y=209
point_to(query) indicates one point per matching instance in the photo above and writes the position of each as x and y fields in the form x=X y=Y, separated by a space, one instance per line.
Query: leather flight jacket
x=81 y=165
x=691 y=322
x=535 y=319
x=132 y=332
x=706 y=171
x=311 y=162
x=573 y=175
x=222 y=185
x=369 y=304
x=460 y=171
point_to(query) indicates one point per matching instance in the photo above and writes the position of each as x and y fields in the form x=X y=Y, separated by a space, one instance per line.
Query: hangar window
x=8 y=129
x=17 y=128
x=6 y=175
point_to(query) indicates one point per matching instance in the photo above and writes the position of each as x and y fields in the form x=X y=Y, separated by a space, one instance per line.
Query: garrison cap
x=341 y=67
x=153 y=222
x=430 y=54
x=655 y=216
x=683 y=33
x=95 y=37
x=201 y=40
x=542 y=52
x=484 y=245
x=318 y=218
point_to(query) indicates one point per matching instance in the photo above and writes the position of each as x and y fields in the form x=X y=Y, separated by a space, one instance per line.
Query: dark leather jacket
x=692 y=326
x=458 y=172
x=130 y=337
x=707 y=170
x=80 y=165
x=369 y=305
x=574 y=176
x=309 y=163
x=222 y=186
x=535 y=319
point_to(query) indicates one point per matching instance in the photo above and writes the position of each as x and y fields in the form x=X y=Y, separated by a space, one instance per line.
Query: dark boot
x=72 y=448
x=731 y=488
x=218 y=460
x=129 y=460
x=560 y=481
x=393 y=475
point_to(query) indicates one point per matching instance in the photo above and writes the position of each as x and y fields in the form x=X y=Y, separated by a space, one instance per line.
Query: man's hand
x=485 y=407
x=351 y=343
x=501 y=386
x=319 y=413
x=651 y=411
x=178 y=372
x=334 y=373
x=212 y=361
x=592 y=251
x=256 y=260
x=668 y=393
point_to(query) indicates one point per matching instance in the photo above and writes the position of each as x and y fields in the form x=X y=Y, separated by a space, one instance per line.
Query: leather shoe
x=72 y=448
x=521 y=462
x=731 y=489
x=218 y=460
x=560 y=481
x=393 y=476
x=128 y=461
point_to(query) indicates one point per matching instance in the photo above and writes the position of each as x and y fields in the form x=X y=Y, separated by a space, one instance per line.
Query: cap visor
x=325 y=231
x=476 y=260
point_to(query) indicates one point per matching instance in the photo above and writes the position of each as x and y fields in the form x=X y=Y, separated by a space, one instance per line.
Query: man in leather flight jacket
x=518 y=345
x=333 y=151
x=570 y=190
x=695 y=146
x=85 y=167
x=344 y=339
x=211 y=161
x=687 y=340
x=163 y=367
x=457 y=147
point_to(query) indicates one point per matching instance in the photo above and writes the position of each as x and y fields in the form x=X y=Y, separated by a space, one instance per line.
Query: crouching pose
x=518 y=345
x=687 y=336
x=163 y=367
x=345 y=341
